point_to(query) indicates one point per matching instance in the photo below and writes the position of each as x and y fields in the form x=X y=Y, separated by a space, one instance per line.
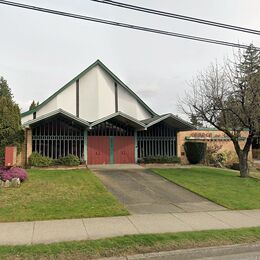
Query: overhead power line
x=124 y=25
x=178 y=16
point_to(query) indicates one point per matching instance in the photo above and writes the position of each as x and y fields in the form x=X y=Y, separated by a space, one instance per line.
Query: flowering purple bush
x=7 y=173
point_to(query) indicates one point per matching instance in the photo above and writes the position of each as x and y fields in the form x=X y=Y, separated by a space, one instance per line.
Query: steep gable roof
x=96 y=63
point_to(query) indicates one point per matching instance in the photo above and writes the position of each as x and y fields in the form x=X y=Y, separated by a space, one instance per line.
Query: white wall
x=47 y=108
x=142 y=113
x=88 y=96
x=129 y=105
x=106 y=93
x=96 y=95
x=96 y=99
x=26 y=118
x=66 y=100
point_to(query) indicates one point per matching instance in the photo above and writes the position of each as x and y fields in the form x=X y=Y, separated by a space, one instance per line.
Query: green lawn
x=224 y=187
x=58 y=194
x=134 y=244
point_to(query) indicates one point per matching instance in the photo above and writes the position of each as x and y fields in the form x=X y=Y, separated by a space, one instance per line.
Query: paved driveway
x=141 y=191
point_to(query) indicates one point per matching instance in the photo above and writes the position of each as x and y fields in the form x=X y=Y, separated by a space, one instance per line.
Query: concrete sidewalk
x=19 y=233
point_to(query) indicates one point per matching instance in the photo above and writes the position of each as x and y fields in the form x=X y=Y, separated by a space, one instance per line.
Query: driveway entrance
x=141 y=191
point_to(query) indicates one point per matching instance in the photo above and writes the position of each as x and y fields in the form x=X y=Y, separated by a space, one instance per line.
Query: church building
x=98 y=118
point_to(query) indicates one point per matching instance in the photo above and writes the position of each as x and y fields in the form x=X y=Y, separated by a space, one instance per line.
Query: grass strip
x=223 y=187
x=58 y=194
x=132 y=244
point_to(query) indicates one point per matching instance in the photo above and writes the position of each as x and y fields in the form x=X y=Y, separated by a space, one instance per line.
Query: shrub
x=231 y=158
x=69 y=160
x=223 y=158
x=160 y=159
x=211 y=154
x=56 y=162
x=218 y=159
x=195 y=151
x=38 y=160
x=234 y=166
x=7 y=173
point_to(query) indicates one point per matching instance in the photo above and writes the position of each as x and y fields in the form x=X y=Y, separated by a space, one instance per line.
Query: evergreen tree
x=250 y=64
x=246 y=98
x=4 y=89
x=194 y=120
x=33 y=105
x=11 y=132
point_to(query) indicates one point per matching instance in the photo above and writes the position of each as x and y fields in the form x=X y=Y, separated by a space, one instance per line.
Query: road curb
x=193 y=253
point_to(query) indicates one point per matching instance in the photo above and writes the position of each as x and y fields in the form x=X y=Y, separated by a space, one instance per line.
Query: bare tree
x=228 y=98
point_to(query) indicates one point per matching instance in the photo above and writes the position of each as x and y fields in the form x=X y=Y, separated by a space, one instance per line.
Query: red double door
x=111 y=149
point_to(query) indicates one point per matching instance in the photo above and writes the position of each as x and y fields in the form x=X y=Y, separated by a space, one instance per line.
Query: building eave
x=180 y=123
x=120 y=115
x=56 y=113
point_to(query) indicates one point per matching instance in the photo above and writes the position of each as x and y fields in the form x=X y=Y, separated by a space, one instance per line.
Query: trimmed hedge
x=160 y=159
x=38 y=160
x=195 y=151
x=69 y=160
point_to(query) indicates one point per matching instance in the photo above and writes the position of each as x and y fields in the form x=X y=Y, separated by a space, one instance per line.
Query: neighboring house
x=98 y=118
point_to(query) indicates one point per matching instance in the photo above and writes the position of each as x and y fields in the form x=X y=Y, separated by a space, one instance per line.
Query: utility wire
x=178 y=16
x=124 y=25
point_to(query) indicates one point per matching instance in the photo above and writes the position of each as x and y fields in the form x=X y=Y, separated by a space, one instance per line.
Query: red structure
x=10 y=155
x=124 y=149
x=111 y=149
x=98 y=150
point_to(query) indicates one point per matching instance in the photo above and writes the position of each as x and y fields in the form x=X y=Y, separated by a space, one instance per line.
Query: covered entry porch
x=115 y=139
x=112 y=140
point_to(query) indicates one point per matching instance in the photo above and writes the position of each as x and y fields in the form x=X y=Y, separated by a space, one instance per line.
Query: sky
x=39 y=53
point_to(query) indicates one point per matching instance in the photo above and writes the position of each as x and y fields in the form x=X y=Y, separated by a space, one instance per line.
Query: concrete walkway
x=94 y=228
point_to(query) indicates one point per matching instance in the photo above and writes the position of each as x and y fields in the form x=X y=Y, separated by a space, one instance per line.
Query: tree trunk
x=243 y=164
x=243 y=157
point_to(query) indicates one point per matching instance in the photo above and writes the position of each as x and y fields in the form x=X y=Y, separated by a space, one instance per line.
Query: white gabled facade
x=97 y=118
x=97 y=97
